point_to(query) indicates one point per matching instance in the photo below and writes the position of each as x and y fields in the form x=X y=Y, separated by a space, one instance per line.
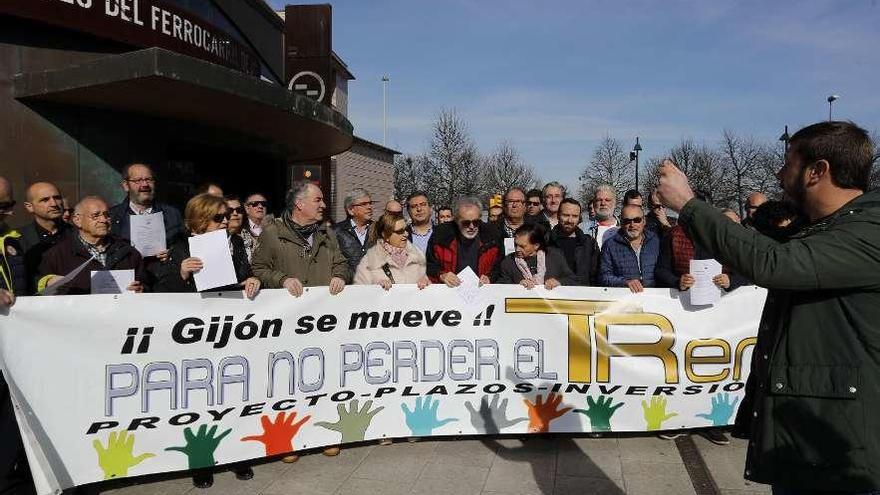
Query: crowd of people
x=533 y=238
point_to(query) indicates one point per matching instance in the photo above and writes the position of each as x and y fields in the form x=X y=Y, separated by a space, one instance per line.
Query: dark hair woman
x=533 y=263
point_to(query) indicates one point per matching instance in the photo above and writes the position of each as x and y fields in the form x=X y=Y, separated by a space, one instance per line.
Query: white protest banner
x=108 y=386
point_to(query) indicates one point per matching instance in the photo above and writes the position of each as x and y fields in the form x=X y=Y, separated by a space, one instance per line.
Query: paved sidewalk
x=555 y=465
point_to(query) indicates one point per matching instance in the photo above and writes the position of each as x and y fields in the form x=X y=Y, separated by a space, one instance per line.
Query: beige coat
x=369 y=270
x=282 y=254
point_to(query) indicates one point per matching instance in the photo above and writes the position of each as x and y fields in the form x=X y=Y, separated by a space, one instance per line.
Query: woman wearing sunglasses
x=392 y=259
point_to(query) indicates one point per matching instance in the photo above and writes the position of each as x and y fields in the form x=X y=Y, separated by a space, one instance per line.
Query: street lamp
x=385 y=109
x=634 y=155
x=784 y=138
x=831 y=99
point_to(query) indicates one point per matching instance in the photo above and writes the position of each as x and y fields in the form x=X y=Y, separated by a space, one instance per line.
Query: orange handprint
x=542 y=413
x=278 y=436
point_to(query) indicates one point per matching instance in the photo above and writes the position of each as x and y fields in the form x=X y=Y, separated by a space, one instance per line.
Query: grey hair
x=297 y=192
x=549 y=185
x=77 y=209
x=354 y=194
x=466 y=201
x=607 y=188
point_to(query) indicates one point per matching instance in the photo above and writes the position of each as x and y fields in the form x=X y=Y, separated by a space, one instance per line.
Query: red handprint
x=542 y=413
x=278 y=436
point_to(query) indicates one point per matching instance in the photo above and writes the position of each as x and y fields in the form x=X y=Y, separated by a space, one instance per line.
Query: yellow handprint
x=117 y=458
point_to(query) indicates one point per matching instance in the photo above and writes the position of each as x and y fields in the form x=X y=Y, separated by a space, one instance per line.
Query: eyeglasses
x=514 y=202
x=365 y=203
x=254 y=204
x=399 y=231
x=627 y=221
x=142 y=180
x=7 y=205
x=419 y=205
x=99 y=215
x=221 y=217
x=469 y=223
x=237 y=209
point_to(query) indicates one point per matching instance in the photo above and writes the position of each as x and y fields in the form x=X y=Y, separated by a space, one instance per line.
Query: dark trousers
x=14 y=472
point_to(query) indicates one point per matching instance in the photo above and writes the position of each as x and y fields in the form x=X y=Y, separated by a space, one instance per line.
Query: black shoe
x=715 y=436
x=244 y=473
x=203 y=480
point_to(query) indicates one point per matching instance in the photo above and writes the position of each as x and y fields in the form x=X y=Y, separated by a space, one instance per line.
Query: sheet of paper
x=213 y=249
x=509 y=246
x=469 y=290
x=704 y=291
x=53 y=289
x=148 y=233
x=111 y=281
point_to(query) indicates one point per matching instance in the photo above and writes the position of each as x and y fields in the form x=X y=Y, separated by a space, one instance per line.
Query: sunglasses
x=238 y=209
x=627 y=221
x=399 y=232
x=253 y=204
x=468 y=223
x=221 y=217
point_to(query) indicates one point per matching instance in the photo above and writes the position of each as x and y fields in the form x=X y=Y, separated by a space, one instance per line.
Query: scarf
x=304 y=231
x=537 y=278
x=399 y=255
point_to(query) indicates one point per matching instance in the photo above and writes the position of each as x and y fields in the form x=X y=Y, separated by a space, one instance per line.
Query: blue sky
x=556 y=77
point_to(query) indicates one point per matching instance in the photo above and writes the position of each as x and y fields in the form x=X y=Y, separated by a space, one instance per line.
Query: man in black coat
x=44 y=202
x=352 y=234
x=580 y=250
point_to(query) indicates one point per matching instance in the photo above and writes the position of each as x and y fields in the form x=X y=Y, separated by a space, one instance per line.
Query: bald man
x=46 y=206
x=394 y=206
x=753 y=201
x=92 y=239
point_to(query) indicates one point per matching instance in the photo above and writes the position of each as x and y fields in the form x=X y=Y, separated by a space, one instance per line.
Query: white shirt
x=138 y=211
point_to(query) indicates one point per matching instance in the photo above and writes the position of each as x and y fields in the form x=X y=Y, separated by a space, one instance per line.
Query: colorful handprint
x=199 y=448
x=542 y=413
x=722 y=410
x=117 y=458
x=353 y=423
x=655 y=414
x=600 y=412
x=277 y=437
x=422 y=420
x=491 y=418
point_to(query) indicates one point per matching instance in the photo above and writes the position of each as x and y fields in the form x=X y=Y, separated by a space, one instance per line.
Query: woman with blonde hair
x=392 y=259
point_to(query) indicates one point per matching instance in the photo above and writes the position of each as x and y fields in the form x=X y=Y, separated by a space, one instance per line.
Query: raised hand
x=422 y=420
x=655 y=414
x=722 y=410
x=600 y=412
x=199 y=448
x=673 y=189
x=353 y=423
x=542 y=413
x=278 y=436
x=117 y=458
x=491 y=418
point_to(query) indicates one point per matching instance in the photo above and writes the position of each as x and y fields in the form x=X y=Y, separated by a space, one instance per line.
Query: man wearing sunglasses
x=139 y=184
x=464 y=242
x=352 y=232
x=44 y=202
x=92 y=239
x=533 y=203
x=629 y=256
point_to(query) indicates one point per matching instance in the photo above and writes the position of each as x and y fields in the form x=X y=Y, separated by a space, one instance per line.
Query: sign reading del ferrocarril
x=114 y=386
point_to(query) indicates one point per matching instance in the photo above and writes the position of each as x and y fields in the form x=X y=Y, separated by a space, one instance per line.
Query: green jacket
x=283 y=254
x=812 y=407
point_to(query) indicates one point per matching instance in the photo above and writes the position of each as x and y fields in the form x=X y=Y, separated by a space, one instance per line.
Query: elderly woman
x=533 y=263
x=236 y=215
x=392 y=259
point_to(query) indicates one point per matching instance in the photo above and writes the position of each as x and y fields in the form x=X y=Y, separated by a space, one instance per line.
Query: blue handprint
x=722 y=410
x=423 y=418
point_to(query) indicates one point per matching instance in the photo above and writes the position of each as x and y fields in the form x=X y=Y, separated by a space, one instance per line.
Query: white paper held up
x=704 y=291
x=148 y=233
x=213 y=249
x=111 y=281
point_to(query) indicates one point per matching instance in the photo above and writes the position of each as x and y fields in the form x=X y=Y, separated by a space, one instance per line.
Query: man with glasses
x=533 y=203
x=753 y=201
x=14 y=474
x=139 y=183
x=514 y=216
x=93 y=241
x=465 y=242
x=630 y=255
x=44 y=202
x=420 y=227
x=352 y=232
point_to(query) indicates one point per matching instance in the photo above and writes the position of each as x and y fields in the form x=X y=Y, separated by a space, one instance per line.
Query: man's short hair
x=416 y=194
x=631 y=194
x=549 y=185
x=533 y=193
x=127 y=168
x=571 y=201
x=352 y=195
x=444 y=208
x=297 y=192
x=467 y=201
x=504 y=198
x=608 y=189
x=847 y=148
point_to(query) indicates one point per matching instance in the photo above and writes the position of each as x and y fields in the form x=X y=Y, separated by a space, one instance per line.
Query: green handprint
x=655 y=414
x=722 y=410
x=117 y=458
x=600 y=412
x=199 y=448
x=353 y=423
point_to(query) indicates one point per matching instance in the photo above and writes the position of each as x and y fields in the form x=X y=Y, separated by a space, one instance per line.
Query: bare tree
x=608 y=165
x=452 y=164
x=505 y=169
x=407 y=175
x=745 y=157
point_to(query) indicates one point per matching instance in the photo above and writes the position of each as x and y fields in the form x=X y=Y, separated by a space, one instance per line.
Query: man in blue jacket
x=630 y=255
